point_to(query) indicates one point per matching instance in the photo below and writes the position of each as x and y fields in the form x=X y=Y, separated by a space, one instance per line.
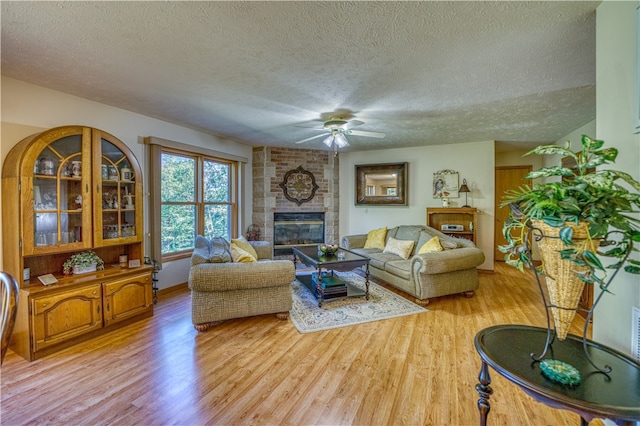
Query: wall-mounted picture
x=445 y=184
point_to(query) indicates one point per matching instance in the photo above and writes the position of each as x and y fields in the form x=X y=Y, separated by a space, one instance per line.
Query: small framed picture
x=134 y=263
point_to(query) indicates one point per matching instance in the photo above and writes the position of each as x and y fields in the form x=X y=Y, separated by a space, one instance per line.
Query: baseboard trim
x=177 y=287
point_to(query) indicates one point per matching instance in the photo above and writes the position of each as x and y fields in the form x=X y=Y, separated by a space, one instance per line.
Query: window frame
x=199 y=202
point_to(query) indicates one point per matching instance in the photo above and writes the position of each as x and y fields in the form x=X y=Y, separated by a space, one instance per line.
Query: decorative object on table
x=307 y=317
x=328 y=248
x=47 y=279
x=445 y=202
x=560 y=372
x=573 y=218
x=253 y=233
x=123 y=260
x=445 y=184
x=83 y=262
x=299 y=185
x=382 y=184
x=465 y=189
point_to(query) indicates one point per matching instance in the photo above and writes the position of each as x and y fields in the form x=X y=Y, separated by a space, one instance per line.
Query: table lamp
x=464 y=188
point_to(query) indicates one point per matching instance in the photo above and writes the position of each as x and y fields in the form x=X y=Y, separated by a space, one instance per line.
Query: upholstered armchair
x=222 y=288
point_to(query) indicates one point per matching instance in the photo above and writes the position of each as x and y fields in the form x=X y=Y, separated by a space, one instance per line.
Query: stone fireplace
x=270 y=164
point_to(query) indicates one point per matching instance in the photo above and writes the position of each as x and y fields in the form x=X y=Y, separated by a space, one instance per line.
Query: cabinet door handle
x=86 y=188
x=98 y=309
x=97 y=189
x=108 y=309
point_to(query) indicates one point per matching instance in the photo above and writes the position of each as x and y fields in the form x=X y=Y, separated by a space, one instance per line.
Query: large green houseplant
x=588 y=210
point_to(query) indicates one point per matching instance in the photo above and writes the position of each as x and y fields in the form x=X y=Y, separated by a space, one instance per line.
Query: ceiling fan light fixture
x=340 y=140
x=328 y=141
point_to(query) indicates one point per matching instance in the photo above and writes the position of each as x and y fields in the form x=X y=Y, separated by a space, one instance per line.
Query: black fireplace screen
x=297 y=229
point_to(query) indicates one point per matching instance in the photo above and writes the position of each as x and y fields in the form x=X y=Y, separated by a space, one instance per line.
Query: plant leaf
x=592 y=260
x=566 y=235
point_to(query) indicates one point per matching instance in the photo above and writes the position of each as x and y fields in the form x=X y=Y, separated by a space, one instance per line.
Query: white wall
x=615 y=70
x=28 y=109
x=473 y=161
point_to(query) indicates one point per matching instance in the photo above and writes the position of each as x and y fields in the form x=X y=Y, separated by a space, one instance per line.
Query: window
x=197 y=196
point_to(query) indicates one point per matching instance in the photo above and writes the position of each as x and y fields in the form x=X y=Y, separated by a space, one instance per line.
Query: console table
x=507 y=349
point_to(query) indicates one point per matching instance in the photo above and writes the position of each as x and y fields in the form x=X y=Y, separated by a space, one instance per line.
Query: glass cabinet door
x=59 y=189
x=118 y=193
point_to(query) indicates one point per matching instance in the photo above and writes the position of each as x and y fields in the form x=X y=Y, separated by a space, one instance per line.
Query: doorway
x=506 y=178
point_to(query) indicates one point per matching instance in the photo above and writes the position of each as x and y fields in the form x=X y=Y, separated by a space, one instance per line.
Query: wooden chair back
x=8 y=309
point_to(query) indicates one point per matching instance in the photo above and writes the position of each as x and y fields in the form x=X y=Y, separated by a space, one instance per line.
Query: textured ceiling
x=421 y=72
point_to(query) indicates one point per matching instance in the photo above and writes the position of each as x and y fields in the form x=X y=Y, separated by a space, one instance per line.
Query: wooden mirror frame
x=401 y=172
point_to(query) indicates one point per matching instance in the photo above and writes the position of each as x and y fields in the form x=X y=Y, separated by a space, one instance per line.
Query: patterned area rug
x=382 y=304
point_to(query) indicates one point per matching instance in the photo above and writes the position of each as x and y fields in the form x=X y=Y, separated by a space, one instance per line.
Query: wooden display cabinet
x=74 y=188
x=462 y=216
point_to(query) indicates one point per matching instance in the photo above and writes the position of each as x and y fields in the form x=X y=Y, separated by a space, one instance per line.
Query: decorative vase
x=77 y=270
x=564 y=286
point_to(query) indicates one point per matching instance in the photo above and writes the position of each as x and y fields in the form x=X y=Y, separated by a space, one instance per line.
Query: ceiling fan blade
x=366 y=134
x=353 y=123
x=312 y=137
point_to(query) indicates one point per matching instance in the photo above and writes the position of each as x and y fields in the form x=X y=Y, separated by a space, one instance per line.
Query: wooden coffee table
x=329 y=286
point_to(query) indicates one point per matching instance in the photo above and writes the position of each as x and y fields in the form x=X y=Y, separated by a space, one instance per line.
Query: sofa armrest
x=235 y=276
x=354 y=241
x=264 y=249
x=447 y=260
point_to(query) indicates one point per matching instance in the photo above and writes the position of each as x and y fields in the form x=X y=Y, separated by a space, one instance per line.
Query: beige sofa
x=222 y=289
x=428 y=275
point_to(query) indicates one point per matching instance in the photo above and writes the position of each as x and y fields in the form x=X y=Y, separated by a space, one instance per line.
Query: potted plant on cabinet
x=572 y=220
x=82 y=263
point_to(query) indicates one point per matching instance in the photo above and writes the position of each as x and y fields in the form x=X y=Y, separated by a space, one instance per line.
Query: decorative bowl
x=328 y=248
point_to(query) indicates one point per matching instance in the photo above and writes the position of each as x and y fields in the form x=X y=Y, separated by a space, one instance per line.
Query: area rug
x=382 y=304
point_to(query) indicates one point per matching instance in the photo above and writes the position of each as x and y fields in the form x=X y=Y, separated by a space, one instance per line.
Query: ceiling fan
x=336 y=129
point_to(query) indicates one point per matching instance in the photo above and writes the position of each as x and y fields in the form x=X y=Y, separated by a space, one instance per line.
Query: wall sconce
x=464 y=188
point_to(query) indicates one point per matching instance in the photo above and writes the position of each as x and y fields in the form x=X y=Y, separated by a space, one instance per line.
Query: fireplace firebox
x=292 y=229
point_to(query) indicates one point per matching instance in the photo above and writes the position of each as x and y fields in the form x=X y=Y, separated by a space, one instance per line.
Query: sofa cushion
x=220 y=250
x=408 y=232
x=244 y=245
x=240 y=255
x=399 y=268
x=402 y=248
x=376 y=238
x=379 y=259
x=430 y=246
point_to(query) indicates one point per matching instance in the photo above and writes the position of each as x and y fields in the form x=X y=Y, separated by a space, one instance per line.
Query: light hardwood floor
x=415 y=370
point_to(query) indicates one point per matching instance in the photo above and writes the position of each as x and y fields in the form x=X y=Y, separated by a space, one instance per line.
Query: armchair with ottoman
x=237 y=280
x=420 y=260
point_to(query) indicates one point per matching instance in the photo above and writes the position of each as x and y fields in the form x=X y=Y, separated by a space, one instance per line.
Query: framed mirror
x=382 y=184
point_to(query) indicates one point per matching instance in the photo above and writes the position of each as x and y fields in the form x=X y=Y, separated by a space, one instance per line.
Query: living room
x=29 y=108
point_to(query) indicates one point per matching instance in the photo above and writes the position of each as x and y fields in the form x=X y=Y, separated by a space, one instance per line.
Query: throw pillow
x=431 y=246
x=201 y=251
x=220 y=252
x=244 y=245
x=375 y=238
x=240 y=255
x=400 y=247
x=448 y=245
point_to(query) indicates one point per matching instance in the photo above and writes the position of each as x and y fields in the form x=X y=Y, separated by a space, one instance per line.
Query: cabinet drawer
x=63 y=316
